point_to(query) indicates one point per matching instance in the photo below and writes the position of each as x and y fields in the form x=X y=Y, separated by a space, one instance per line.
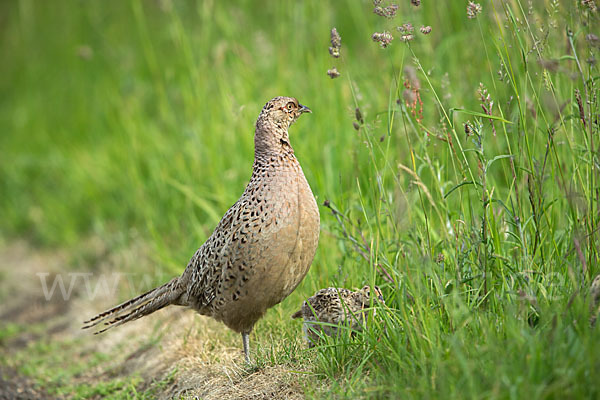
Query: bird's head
x=366 y=290
x=271 y=136
x=283 y=111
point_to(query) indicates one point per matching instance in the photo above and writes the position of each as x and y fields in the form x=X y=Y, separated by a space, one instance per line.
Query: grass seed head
x=387 y=12
x=336 y=39
x=579 y=102
x=426 y=30
x=405 y=28
x=468 y=128
x=483 y=95
x=473 y=9
x=590 y=4
x=486 y=102
x=358 y=115
x=593 y=40
x=383 y=38
x=333 y=73
x=336 y=43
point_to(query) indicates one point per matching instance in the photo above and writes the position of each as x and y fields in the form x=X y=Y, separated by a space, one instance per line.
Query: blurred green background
x=140 y=115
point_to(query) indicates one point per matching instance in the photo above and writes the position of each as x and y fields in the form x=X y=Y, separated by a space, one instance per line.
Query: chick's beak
x=304 y=109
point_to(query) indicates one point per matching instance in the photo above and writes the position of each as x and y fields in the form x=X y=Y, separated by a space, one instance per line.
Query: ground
x=172 y=354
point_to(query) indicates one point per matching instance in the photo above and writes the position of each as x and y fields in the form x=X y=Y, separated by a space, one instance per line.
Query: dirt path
x=173 y=354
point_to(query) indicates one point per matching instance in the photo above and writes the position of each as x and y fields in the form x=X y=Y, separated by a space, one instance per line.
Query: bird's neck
x=271 y=140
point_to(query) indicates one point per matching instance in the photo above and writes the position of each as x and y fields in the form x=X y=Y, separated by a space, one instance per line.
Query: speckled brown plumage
x=332 y=307
x=260 y=250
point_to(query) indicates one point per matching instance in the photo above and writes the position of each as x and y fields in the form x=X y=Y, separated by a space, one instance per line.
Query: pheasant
x=261 y=249
x=332 y=307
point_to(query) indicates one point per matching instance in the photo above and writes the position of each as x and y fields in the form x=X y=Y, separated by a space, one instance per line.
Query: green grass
x=62 y=367
x=127 y=119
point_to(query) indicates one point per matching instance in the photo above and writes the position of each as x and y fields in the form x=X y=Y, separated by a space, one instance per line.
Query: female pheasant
x=260 y=250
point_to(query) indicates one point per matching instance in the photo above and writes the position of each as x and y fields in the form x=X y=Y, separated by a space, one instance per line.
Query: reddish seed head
x=405 y=28
x=473 y=9
x=383 y=38
x=387 y=12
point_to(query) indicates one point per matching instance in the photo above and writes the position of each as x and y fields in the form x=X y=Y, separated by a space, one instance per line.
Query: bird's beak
x=304 y=109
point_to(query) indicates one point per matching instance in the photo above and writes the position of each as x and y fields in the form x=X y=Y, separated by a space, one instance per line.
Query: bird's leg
x=246 y=341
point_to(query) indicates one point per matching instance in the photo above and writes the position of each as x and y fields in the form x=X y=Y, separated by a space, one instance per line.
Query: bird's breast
x=275 y=231
x=290 y=234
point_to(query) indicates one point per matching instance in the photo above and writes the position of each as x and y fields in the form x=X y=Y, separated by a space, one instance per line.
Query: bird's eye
x=290 y=105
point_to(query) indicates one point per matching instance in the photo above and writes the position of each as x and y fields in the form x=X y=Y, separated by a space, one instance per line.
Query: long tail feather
x=139 y=306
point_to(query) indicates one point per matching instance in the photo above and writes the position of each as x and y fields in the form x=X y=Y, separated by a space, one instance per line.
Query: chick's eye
x=290 y=106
